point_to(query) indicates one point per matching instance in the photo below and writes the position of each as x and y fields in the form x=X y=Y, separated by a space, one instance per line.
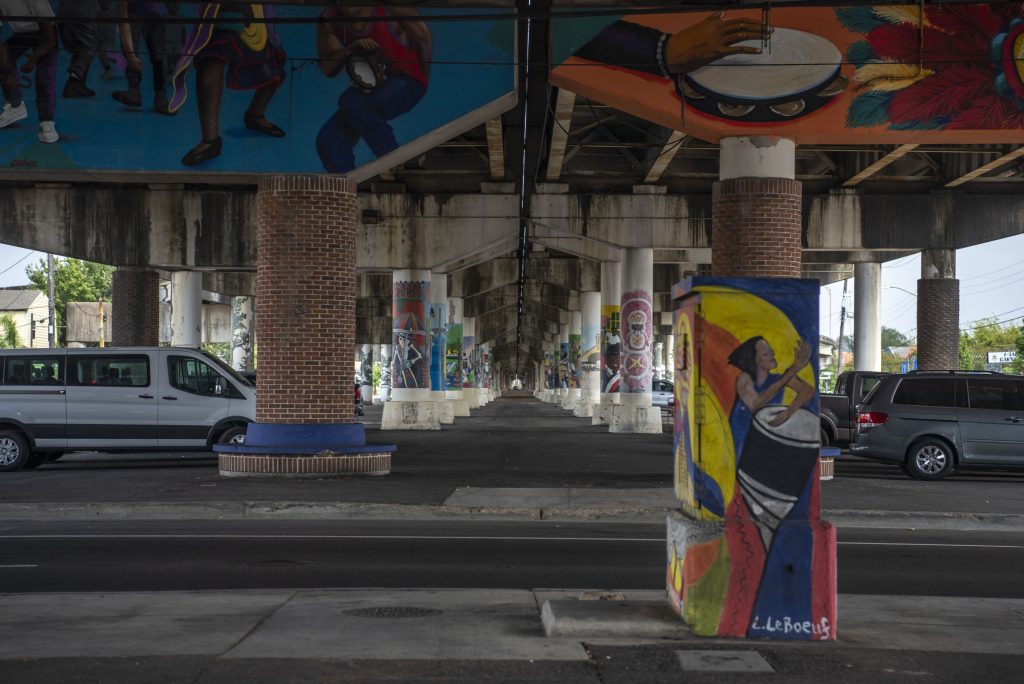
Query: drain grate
x=392 y=612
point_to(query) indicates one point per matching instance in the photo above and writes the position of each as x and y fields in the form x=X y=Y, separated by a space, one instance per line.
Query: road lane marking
x=409 y=537
x=25 y=565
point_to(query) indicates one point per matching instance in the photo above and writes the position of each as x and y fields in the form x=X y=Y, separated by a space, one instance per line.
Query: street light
x=896 y=287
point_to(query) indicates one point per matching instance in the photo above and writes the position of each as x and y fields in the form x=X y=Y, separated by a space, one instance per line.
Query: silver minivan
x=117 y=399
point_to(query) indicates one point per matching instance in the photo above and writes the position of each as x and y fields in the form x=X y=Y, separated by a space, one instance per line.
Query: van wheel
x=235 y=435
x=929 y=459
x=14 y=451
x=825 y=441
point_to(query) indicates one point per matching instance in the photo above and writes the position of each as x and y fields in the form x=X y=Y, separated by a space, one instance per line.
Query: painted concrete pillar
x=670 y=357
x=469 y=362
x=938 y=311
x=575 y=351
x=590 y=356
x=306 y=288
x=562 y=394
x=867 y=325
x=384 y=354
x=438 y=316
x=453 y=358
x=611 y=342
x=748 y=554
x=186 y=309
x=136 y=308
x=756 y=214
x=242 y=333
x=636 y=330
x=364 y=356
x=659 y=359
x=411 y=406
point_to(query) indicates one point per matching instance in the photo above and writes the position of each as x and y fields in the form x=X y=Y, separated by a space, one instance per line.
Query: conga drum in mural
x=797 y=74
x=775 y=465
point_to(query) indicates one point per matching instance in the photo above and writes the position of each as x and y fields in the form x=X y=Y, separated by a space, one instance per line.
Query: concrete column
x=136 y=308
x=411 y=406
x=385 y=354
x=469 y=362
x=867 y=325
x=241 y=333
x=562 y=385
x=186 y=309
x=938 y=311
x=575 y=351
x=611 y=342
x=306 y=287
x=756 y=214
x=659 y=359
x=636 y=330
x=590 y=357
x=453 y=358
x=438 y=316
x=670 y=358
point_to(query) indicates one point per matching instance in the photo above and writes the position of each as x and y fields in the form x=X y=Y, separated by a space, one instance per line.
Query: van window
x=925 y=392
x=995 y=394
x=124 y=370
x=34 y=370
x=191 y=375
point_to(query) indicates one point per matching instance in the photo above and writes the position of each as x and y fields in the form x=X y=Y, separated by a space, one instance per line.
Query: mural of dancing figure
x=389 y=65
x=404 y=362
x=244 y=54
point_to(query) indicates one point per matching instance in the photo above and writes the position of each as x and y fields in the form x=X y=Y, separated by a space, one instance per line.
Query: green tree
x=9 y=338
x=893 y=338
x=1018 y=345
x=74 y=281
x=985 y=336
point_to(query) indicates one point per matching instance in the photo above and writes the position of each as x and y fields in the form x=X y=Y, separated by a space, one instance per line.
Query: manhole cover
x=275 y=563
x=392 y=612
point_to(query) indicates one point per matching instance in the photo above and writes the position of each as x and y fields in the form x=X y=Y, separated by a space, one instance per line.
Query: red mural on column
x=637 y=315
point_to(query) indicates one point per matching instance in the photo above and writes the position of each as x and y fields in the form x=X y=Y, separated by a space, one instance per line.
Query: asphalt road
x=38 y=557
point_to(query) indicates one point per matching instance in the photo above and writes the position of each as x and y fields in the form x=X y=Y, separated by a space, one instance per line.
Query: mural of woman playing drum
x=757 y=386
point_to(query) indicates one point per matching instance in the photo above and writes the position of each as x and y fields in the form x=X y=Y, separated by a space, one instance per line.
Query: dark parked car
x=930 y=422
x=838 y=412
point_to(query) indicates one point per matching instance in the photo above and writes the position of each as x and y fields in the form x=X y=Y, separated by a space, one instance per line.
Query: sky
x=991 y=279
x=991 y=286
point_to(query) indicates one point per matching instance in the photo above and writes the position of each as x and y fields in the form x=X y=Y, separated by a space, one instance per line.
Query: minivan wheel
x=14 y=452
x=235 y=435
x=825 y=441
x=929 y=459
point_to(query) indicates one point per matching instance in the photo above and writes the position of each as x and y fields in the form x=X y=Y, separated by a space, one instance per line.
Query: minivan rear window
x=925 y=392
x=128 y=370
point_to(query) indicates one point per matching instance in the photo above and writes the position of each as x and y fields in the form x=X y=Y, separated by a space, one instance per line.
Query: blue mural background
x=472 y=65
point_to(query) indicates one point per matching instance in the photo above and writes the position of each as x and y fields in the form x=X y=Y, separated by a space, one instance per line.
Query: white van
x=117 y=399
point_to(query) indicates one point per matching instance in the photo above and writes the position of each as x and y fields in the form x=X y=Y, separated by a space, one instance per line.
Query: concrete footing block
x=446 y=412
x=584 y=409
x=625 y=418
x=460 y=408
x=615 y=619
x=410 y=415
x=601 y=415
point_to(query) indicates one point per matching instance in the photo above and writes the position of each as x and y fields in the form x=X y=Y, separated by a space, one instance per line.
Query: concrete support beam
x=867 y=327
x=564 y=104
x=985 y=168
x=676 y=139
x=874 y=168
x=496 y=149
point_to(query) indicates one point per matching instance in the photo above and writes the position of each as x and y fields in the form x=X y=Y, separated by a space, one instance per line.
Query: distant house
x=30 y=310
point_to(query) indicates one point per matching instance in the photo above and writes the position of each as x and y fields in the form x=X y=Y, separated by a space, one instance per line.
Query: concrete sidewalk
x=540 y=635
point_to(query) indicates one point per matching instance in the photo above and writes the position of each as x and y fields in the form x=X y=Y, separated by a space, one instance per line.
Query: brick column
x=306 y=287
x=136 y=315
x=938 y=311
x=756 y=210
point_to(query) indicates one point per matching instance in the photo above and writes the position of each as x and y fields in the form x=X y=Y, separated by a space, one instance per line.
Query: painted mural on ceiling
x=243 y=88
x=817 y=75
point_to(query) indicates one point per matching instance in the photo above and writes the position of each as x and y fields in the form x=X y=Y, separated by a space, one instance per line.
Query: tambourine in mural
x=365 y=74
x=796 y=76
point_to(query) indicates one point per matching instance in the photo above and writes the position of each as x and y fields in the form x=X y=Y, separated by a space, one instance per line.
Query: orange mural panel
x=817 y=75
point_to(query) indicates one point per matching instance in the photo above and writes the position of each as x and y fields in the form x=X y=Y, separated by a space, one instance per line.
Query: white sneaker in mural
x=47 y=133
x=9 y=114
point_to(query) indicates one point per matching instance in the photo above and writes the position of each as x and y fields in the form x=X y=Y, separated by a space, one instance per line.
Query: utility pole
x=842 y=324
x=51 y=325
x=102 y=332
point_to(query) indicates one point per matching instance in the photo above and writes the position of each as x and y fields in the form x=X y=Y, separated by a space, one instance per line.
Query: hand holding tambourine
x=362 y=65
x=709 y=40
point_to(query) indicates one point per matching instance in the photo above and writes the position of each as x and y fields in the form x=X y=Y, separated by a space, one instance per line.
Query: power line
x=27 y=255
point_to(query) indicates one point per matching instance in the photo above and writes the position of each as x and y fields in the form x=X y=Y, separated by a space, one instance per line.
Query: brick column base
x=938 y=324
x=756 y=228
x=136 y=308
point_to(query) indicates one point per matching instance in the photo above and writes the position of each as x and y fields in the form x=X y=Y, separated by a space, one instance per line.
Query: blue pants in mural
x=46 y=74
x=365 y=115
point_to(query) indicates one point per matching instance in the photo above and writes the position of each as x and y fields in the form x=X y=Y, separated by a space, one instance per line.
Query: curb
x=301 y=510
